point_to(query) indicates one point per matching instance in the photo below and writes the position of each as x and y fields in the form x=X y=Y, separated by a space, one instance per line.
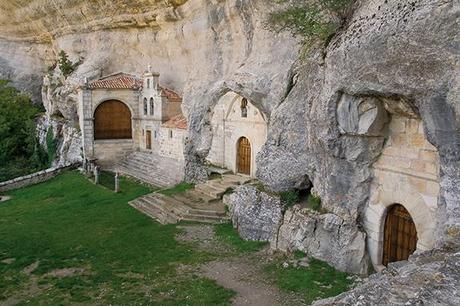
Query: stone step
x=210 y=190
x=195 y=196
x=237 y=179
x=218 y=184
x=153 y=212
x=167 y=204
x=205 y=219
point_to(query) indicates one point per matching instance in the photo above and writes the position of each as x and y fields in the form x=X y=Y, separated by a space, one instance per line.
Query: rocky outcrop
x=66 y=137
x=258 y=215
x=392 y=58
x=324 y=236
x=431 y=278
x=255 y=214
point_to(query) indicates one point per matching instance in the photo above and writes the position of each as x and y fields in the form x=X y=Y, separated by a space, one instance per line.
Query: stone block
x=418 y=165
x=417 y=140
x=431 y=168
x=418 y=184
x=397 y=126
x=432 y=188
x=428 y=155
x=412 y=126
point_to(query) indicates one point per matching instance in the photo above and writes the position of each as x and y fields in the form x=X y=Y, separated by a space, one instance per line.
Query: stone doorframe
x=374 y=222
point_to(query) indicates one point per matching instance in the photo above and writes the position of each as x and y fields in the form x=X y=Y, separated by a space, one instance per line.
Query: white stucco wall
x=228 y=126
x=406 y=173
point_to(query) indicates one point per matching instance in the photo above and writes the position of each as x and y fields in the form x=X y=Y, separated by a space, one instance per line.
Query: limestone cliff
x=327 y=112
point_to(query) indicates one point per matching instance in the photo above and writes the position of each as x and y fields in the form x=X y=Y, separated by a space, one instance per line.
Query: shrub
x=289 y=198
x=65 y=65
x=311 y=20
x=314 y=202
x=20 y=152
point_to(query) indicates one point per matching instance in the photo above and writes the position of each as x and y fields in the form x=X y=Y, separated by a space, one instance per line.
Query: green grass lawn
x=229 y=235
x=317 y=281
x=178 y=189
x=124 y=257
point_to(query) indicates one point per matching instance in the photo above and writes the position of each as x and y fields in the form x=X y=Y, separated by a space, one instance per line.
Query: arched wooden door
x=243 y=156
x=400 y=237
x=112 y=120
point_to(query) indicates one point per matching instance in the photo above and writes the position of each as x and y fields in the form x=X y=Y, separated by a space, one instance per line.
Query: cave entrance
x=400 y=235
x=244 y=156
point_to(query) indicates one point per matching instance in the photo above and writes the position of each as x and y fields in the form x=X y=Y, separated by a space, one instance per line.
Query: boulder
x=324 y=236
x=255 y=213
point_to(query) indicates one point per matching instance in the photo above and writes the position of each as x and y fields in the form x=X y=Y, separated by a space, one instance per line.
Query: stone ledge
x=34 y=178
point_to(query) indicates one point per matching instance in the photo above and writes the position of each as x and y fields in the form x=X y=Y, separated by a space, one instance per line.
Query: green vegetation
x=51 y=145
x=121 y=256
x=317 y=281
x=314 y=202
x=65 y=65
x=312 y=20
x=228 y=235
x=20 y=152
x=289 y=198
x=178 y=189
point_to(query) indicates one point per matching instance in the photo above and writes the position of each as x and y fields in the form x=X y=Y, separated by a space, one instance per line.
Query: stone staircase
x=152 y=168
x=202 y=204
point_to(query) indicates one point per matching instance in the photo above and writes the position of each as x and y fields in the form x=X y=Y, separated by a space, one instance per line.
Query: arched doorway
x=112 y=120
x=400 y=235
x=243 y=156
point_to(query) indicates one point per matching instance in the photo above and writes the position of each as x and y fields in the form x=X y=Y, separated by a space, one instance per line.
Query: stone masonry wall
x=171 y=147
x=406 y=173
x=34 y=178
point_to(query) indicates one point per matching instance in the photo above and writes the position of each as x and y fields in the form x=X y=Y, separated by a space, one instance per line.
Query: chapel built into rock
x=134 y=126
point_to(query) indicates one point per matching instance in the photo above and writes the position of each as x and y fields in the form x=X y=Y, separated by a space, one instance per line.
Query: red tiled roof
x=176 y=122
x=117 y=81
x=171 y=95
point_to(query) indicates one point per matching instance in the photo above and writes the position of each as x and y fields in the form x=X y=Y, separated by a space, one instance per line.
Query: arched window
x=170 y=134
x=244 y=107
x=112 y=120
x=152 y=107
x=148 y=83
x=145 y=107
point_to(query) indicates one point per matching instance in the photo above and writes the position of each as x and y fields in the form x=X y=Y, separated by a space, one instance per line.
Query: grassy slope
x=318 y=280
x=128 y=259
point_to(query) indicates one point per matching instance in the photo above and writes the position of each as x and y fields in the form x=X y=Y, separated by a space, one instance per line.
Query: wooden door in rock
x=148 y=140
x=244 y=156
x=400 y=235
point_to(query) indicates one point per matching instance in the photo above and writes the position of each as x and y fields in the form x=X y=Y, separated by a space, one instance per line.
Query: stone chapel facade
x=239 y=132
x=120 y=114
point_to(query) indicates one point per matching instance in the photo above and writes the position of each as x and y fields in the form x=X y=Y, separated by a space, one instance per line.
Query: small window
x=145 y=106
x=151 y=107
x=244 y=107
x=170 y=134
x=148 y=83
x=155 y=134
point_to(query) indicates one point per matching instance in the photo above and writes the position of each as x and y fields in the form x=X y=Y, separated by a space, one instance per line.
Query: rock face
x=431 y=278
x=259 y=215
x=392 y=58
x=256 y=214
x=324 y=236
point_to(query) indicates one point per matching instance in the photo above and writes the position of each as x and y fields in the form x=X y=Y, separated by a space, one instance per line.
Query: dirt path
x=241 y=273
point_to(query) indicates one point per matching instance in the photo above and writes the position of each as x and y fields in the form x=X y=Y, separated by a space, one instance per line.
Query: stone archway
x=112 y=120
x=400 y=235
